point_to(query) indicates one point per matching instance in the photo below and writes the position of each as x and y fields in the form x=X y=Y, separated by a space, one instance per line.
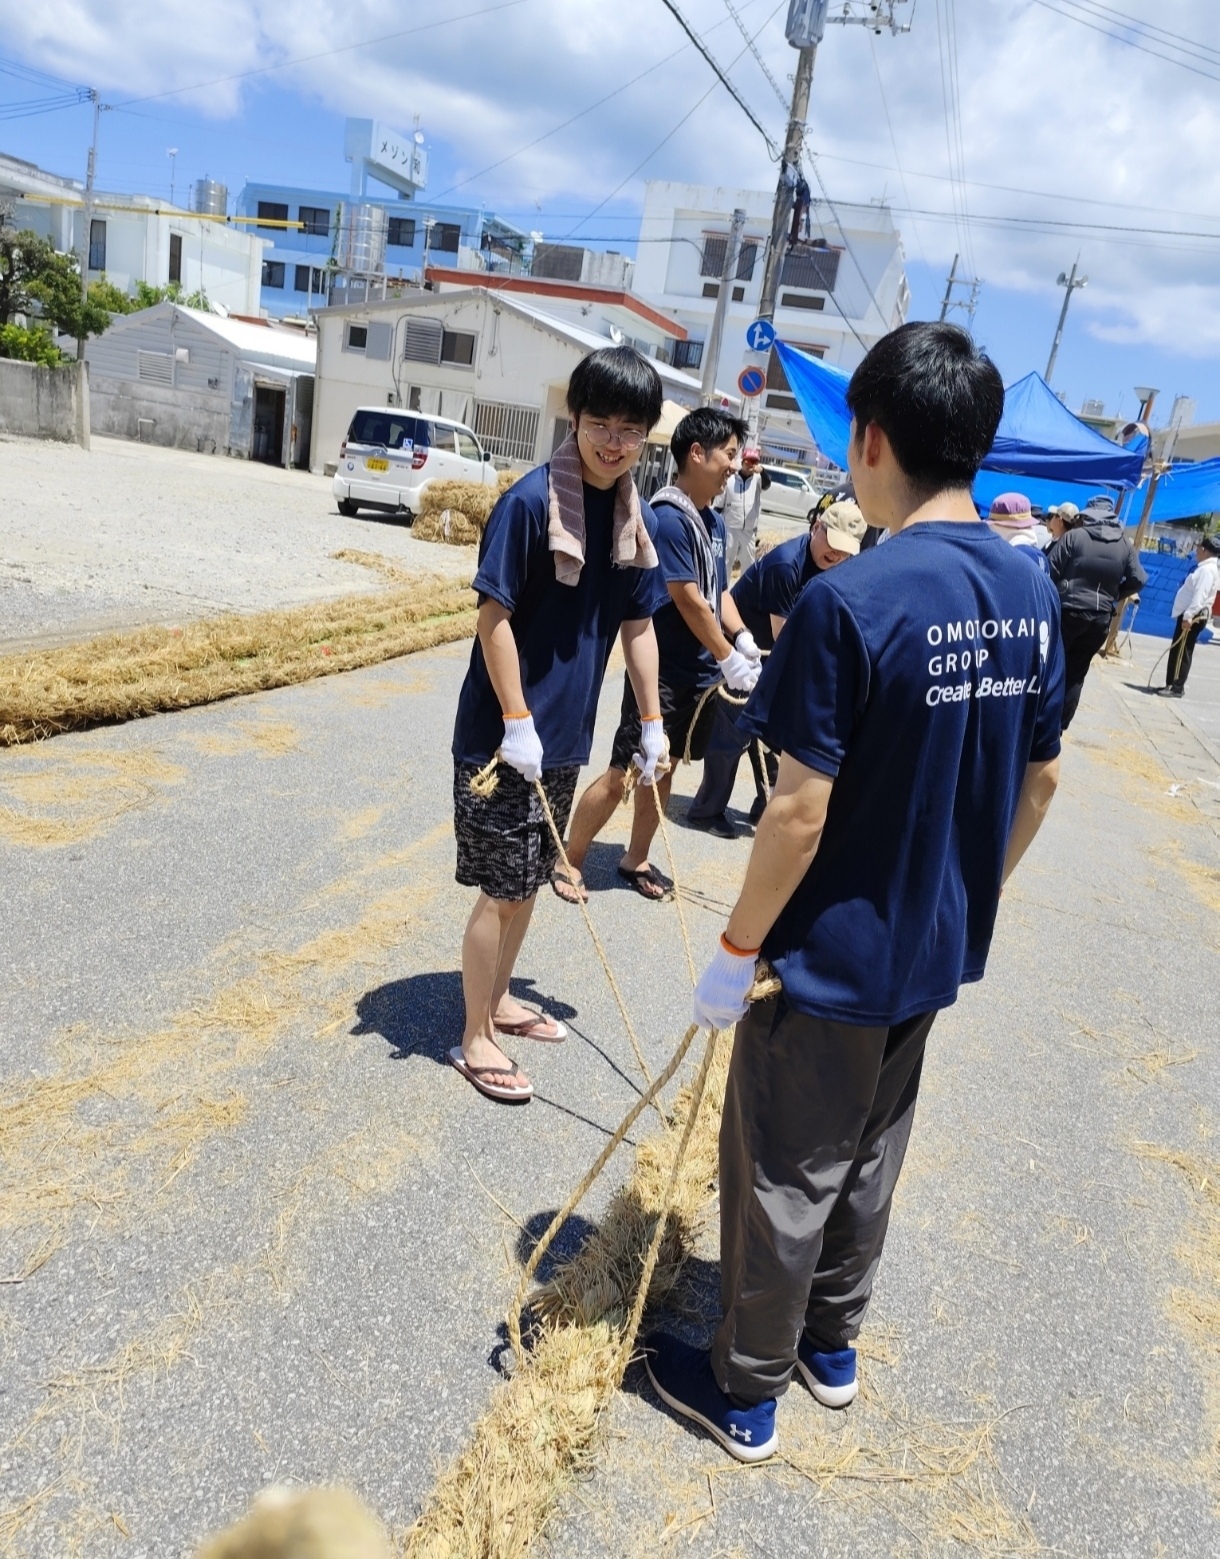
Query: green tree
x=35 y=279
x=110 y=297
x=29 y=346
x=147 y=295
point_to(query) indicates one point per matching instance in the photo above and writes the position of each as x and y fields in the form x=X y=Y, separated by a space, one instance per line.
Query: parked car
x=791 y=493
x=389 y=456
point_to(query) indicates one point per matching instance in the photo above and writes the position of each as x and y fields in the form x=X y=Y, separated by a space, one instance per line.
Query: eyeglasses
x=599 y=435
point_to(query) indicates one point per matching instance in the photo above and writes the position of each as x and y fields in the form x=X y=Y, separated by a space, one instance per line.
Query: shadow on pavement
x=422 y=1015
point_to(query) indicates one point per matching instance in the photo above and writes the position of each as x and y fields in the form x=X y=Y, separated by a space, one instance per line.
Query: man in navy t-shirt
x=701 y=640
x=765 y=596
x=567 y=563
x=916 y=699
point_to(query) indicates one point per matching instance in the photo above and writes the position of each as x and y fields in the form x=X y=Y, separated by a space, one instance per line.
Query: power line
x=1174 y=39
x=1099 y=25
x=724 y=80
x=754 y=50
x=322 y=54
x=872 y=49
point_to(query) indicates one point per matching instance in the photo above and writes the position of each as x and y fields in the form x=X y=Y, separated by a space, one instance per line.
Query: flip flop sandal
x=548 y=1031
x=474 y=1075
x=562 y=880
x=651 y=876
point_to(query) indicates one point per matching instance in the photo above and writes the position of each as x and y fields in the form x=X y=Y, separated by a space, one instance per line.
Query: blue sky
x=1025 y=115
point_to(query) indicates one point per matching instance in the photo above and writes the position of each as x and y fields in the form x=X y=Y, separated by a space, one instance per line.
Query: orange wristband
x=648 y=719
x=524 y=715
x=738 y=952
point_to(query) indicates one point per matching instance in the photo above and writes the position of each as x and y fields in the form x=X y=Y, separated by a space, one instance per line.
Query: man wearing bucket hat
x=1012 y=519
x=765 y=596
x=741 y=507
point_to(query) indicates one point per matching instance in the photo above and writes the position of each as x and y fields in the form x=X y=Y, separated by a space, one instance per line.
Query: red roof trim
x=544 y=287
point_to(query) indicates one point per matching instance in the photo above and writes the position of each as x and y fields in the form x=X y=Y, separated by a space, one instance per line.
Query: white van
x=389 y=456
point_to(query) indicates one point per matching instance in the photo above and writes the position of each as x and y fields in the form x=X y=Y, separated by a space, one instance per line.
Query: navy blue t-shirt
x=924 y=677
x=684 y=661
x=564 y=633
x=770 y=587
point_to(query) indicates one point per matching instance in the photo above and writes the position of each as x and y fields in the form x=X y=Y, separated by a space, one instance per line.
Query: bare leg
x=503 y=1007
x=593 y=811
x=483 y=944
x=644 y=822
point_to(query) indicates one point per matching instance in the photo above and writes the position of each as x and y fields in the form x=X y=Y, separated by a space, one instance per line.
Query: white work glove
x=744 y=645
x=720 y=996
x=653 y=749
x=521 y=749
x=739 y=672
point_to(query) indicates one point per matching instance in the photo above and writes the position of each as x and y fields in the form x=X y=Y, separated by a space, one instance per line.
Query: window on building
x=446 y=237
x=270 y=212
x=711 y=289
x=273 y=273
x=309 y=278
x=457 y=347
x=175 y=257
x=738 y=294
x=746 y=260
x=688 y=354
x=715 y=247
x=402 y=233
x=355 y=338
x=801 y=300
x=314 y=219
x=422 y=341
x=97 y=245
x=810 y=265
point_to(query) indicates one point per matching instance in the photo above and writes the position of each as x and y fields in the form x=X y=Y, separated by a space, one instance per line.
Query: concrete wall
x=40 y=402
x=156 y=414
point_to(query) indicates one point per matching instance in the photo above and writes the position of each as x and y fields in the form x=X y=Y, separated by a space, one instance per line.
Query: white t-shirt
x=1198 y=590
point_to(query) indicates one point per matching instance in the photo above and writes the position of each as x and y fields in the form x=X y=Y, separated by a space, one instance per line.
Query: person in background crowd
x=741 y=507
x=1060 y=518
x=765 y=596
x=702 y=642
x=1012 y=519
x=1094 y=568
x=915 y=697
x=567 y=564
x=1192 y=611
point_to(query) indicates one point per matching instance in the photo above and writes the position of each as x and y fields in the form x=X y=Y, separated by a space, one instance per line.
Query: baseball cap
x=751 y=454
x=1065 y=511
x=845 y=526
x=1212 y=545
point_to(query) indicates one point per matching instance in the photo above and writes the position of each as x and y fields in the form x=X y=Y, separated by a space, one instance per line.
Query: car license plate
x=373 y=463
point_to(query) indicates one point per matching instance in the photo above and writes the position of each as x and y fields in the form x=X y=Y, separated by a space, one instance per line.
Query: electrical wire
x=889 y=123
x=1098 y=24
x=707 y=54
x=1174 y=39
x=754 y=50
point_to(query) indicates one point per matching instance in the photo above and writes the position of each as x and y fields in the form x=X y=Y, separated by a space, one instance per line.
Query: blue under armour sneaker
x=830 y=1376
x=683 y=1379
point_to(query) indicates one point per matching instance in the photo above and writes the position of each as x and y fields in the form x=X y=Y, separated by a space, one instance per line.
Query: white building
x=190 y=379
x=134 y=238
x=840 y=290
x=498 y=362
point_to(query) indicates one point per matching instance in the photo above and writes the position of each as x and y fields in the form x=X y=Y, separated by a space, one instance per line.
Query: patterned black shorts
x=504 y=844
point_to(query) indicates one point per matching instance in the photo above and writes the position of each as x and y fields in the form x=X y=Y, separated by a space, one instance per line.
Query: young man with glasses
x=567 y=564
x=702 y=642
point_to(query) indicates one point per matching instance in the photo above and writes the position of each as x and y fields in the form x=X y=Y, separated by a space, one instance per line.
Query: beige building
x=498 y=362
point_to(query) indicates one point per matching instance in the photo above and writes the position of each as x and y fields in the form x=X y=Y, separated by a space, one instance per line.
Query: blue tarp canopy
x=1186 y=490
x=1038 y=437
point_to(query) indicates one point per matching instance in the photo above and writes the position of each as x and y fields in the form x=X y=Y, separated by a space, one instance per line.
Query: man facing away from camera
x=915 y=697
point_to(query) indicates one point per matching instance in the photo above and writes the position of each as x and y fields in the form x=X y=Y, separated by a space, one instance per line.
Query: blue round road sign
x=760 y=336
x=751 y=381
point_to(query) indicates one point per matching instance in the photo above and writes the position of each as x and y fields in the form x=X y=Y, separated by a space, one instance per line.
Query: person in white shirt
x=741 y=507
x=1192 y=611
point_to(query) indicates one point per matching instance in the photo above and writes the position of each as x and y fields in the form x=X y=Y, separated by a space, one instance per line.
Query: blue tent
x=1038 y=437
x=1186 y=490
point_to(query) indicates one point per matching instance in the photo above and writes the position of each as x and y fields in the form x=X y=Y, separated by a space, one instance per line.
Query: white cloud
x=1046 y=105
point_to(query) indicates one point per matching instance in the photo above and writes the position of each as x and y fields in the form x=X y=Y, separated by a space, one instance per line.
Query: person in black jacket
x=1094 y=567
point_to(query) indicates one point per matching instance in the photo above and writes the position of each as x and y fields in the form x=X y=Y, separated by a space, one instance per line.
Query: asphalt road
x=266 y=1234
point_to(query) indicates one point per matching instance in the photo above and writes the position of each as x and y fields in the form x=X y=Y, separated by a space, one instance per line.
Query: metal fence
x=510 y=432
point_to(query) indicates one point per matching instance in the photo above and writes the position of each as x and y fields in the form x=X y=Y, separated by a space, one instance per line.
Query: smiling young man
x=915 y=696
x=567 y=564
x=700 y=637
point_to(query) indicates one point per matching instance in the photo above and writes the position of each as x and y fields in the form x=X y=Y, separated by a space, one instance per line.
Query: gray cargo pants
x=816 y=1122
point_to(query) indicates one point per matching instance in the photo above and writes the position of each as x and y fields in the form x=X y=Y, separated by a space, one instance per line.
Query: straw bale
x=124 y=676
x=457 y=512
x=325 y=1523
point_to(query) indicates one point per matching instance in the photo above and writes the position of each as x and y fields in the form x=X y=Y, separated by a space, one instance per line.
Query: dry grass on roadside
x=457 y=512
x=124 y=676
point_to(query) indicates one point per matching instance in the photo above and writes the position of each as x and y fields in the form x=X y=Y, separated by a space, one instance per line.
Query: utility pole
x=715 y=338
x=1071 y=283
x=88 y=219
x=948 y=297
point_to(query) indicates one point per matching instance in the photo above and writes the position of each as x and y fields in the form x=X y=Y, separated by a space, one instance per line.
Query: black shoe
x=1172 y=692
x=719 y=826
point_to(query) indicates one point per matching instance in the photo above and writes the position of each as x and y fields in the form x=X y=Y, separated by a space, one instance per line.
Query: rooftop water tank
x=361 y=239
x=209 y=198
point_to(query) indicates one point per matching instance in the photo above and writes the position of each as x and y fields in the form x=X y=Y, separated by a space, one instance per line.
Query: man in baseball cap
x=741 y=506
